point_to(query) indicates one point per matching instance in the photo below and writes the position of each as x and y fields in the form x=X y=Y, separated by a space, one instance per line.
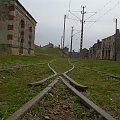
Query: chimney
x=98 y=41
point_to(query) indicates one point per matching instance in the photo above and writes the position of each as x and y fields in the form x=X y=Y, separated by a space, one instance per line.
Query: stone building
x=107 y=49
x=17 y=29
x=50 y=45
x=117 y=45
x=95 y=50
x=84 y=53
x=111 y=47
x=91 y=52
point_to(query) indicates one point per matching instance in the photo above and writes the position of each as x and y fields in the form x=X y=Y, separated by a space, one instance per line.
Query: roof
x=25 y=10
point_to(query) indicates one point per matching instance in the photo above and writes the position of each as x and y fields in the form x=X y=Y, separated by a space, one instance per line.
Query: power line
x=99 y=18
x=74 y=15
x=91 y=16
x=73 y=19
x=105 y=5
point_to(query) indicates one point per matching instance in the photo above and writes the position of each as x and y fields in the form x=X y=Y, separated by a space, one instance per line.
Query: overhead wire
x=105 y=5
x=91 y=16
x=104 y=14
x=74 y=15
x=101 y=9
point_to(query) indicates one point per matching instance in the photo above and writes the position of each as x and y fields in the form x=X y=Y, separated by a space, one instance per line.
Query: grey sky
x=49 y=15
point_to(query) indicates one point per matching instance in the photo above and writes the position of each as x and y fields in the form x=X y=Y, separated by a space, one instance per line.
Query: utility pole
x=64 y=31
x=61 y=41
x=116 y=25
x=71 y=39
x=116 y=32
x=82 y=27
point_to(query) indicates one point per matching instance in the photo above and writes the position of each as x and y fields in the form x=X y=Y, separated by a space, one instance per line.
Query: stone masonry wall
x=15 y=39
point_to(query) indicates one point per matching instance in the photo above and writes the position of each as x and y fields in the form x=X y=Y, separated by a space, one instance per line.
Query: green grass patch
x=61 y=65
x=51 y=52
x=112 y=67
x=104 y=91
x=10 y=61
x=14 y=91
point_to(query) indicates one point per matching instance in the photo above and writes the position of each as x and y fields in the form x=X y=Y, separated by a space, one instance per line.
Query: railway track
x=73 y=86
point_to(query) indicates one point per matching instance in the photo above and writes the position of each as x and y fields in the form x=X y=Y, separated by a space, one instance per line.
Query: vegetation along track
x=21 y=66
x=14 y=90
x=70 y=108
x=103 y=90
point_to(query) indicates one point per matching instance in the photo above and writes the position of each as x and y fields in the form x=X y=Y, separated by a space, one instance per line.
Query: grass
x=10 y=61
x=104 y=91
x=61 y=65
x=13 y=83
x=50 y=52
x=45 y=55
x=14 y=91
x=112 y=67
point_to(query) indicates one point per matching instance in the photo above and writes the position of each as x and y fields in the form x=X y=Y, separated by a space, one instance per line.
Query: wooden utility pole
x=82 y=27
x=64 y=31
x=71 y=39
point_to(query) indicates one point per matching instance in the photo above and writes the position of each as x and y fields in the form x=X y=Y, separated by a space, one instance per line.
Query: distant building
x=17 y=29
x=74 y=54
x=95 y=50
x=50 y=45
x=65 y=49
x=111 y=47
x=107 y=49
x=84 y=53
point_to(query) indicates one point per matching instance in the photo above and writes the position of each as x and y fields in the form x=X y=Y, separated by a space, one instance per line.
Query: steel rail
x=26 y=107
x=87 y=102
x=34 y=84
x=73 y=82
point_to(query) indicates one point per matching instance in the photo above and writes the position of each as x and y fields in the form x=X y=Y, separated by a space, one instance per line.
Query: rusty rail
x=44 y=80
x=87 y=102
x=73 y=82
x=26 y=107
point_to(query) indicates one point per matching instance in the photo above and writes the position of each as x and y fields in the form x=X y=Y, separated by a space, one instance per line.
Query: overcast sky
x=49 y=15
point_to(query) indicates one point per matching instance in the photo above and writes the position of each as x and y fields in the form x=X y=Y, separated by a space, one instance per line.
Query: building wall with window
x=17 y=29
x=106 y=49
x=95 y=50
